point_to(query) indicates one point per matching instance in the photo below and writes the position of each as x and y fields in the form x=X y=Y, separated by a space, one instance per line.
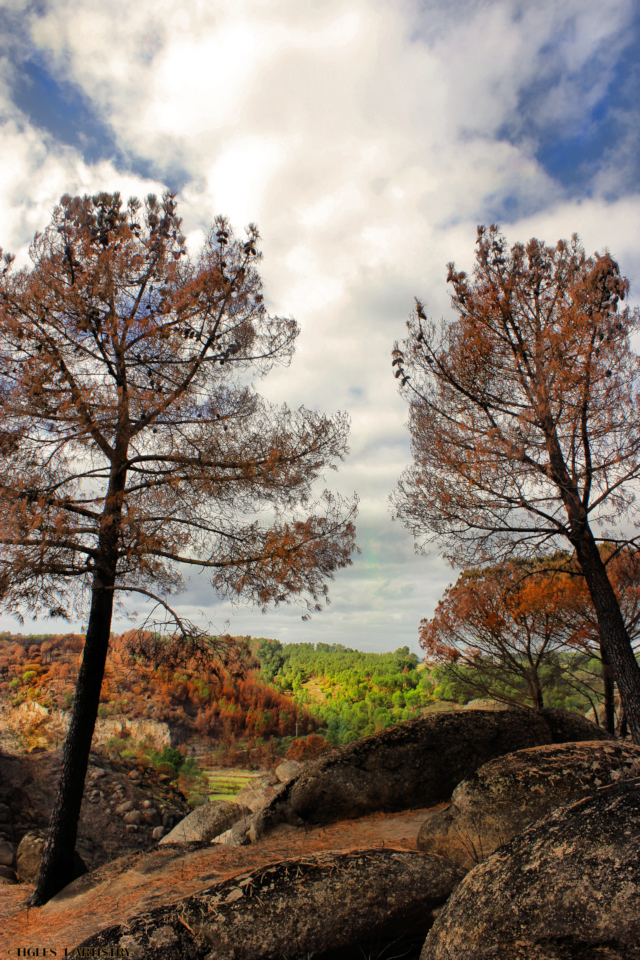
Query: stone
x=146 y=804
x=134 y=775
x=600 y=716
x=364 y=903
x=8 y=874
x=7 y=853
x=259 y=791
x=125 y=807
x=288 y=770
x=158 y=833
x=134 y=816
x=237 y=836
x=206 y=822
x=132 y=828
x=567 y=887
x=151 y=817
x=415 y=764
x=29 y=855
x=504 y=796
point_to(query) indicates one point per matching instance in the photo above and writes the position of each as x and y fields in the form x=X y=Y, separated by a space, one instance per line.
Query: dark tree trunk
x=609 y=691
x=621 y=732
x=56 y=869
x=616 y=644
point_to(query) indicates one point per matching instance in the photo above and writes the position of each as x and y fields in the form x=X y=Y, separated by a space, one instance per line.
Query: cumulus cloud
x=367 y=138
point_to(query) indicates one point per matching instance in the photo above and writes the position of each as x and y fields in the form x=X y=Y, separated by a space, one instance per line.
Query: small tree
x=525 y=421
x=502 y=632
x=131 y=452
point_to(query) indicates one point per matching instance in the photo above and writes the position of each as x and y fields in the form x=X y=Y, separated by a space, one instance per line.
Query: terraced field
x=225 y=782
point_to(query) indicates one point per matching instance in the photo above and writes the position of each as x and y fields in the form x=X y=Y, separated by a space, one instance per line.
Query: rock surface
x=207 y=822
x=568 y=888
x=506 y=795
x=287 y=770
x=29 y=855
x=259 y=792
x=343 y=903
x=415 y=764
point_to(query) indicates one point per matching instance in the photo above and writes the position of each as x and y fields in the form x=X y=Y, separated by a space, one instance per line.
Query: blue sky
x=367 y=138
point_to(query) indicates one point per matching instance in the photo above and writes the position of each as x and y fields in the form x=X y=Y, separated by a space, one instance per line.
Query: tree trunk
x=609 y=691
x=56 y=869
x=616 y=644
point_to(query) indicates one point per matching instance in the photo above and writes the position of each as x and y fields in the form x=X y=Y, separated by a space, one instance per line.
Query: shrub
x=167 y=769
x=28 y=676
x=172 y=756
x=306 y=748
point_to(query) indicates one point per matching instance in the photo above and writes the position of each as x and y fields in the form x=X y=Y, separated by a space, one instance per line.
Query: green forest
x=352 y=693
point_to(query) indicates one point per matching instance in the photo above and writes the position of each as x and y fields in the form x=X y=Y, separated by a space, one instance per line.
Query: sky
x=367 y=139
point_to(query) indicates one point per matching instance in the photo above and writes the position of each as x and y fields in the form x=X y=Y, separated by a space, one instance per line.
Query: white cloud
x=366 y=139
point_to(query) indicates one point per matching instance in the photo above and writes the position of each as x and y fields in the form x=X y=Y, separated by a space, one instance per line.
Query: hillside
x=234 y=721
x=292 y=690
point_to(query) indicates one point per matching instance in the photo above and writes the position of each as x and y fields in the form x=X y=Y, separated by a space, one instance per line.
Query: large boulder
x=568 y=887
x=414 y=764
x=287 y=770
x=353 y=905
x=207 y=822
x=29 y=855
x=504 y=796
x=259 y=791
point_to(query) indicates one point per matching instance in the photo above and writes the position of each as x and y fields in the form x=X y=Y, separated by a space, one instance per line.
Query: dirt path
x=135 y=884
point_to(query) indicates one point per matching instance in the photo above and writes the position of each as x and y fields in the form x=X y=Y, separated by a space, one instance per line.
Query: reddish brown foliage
x=306 y=748
x=525 y=420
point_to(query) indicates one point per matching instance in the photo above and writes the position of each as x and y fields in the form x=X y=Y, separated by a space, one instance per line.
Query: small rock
x=134 y=816
x=8 y=874
x=7 y=853
x=146 y=804
x=134 y=775
x=158 y=833
x=132 y=827
x=123 y=808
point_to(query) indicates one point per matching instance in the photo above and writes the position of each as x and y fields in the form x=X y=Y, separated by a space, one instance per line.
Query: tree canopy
x=525 y=420
x=133 y=446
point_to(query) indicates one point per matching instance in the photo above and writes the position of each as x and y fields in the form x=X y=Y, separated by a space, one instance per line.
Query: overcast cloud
x=367 y=138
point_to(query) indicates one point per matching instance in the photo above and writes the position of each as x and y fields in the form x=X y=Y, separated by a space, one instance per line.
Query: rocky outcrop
x=415 y=764
x=207 y=822
x=504 y=796
x=343 y=903
x=56 y=722
x=568 y=887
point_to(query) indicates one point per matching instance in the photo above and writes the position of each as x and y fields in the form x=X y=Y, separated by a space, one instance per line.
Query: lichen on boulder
x=506 y=795
x=567 y=887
